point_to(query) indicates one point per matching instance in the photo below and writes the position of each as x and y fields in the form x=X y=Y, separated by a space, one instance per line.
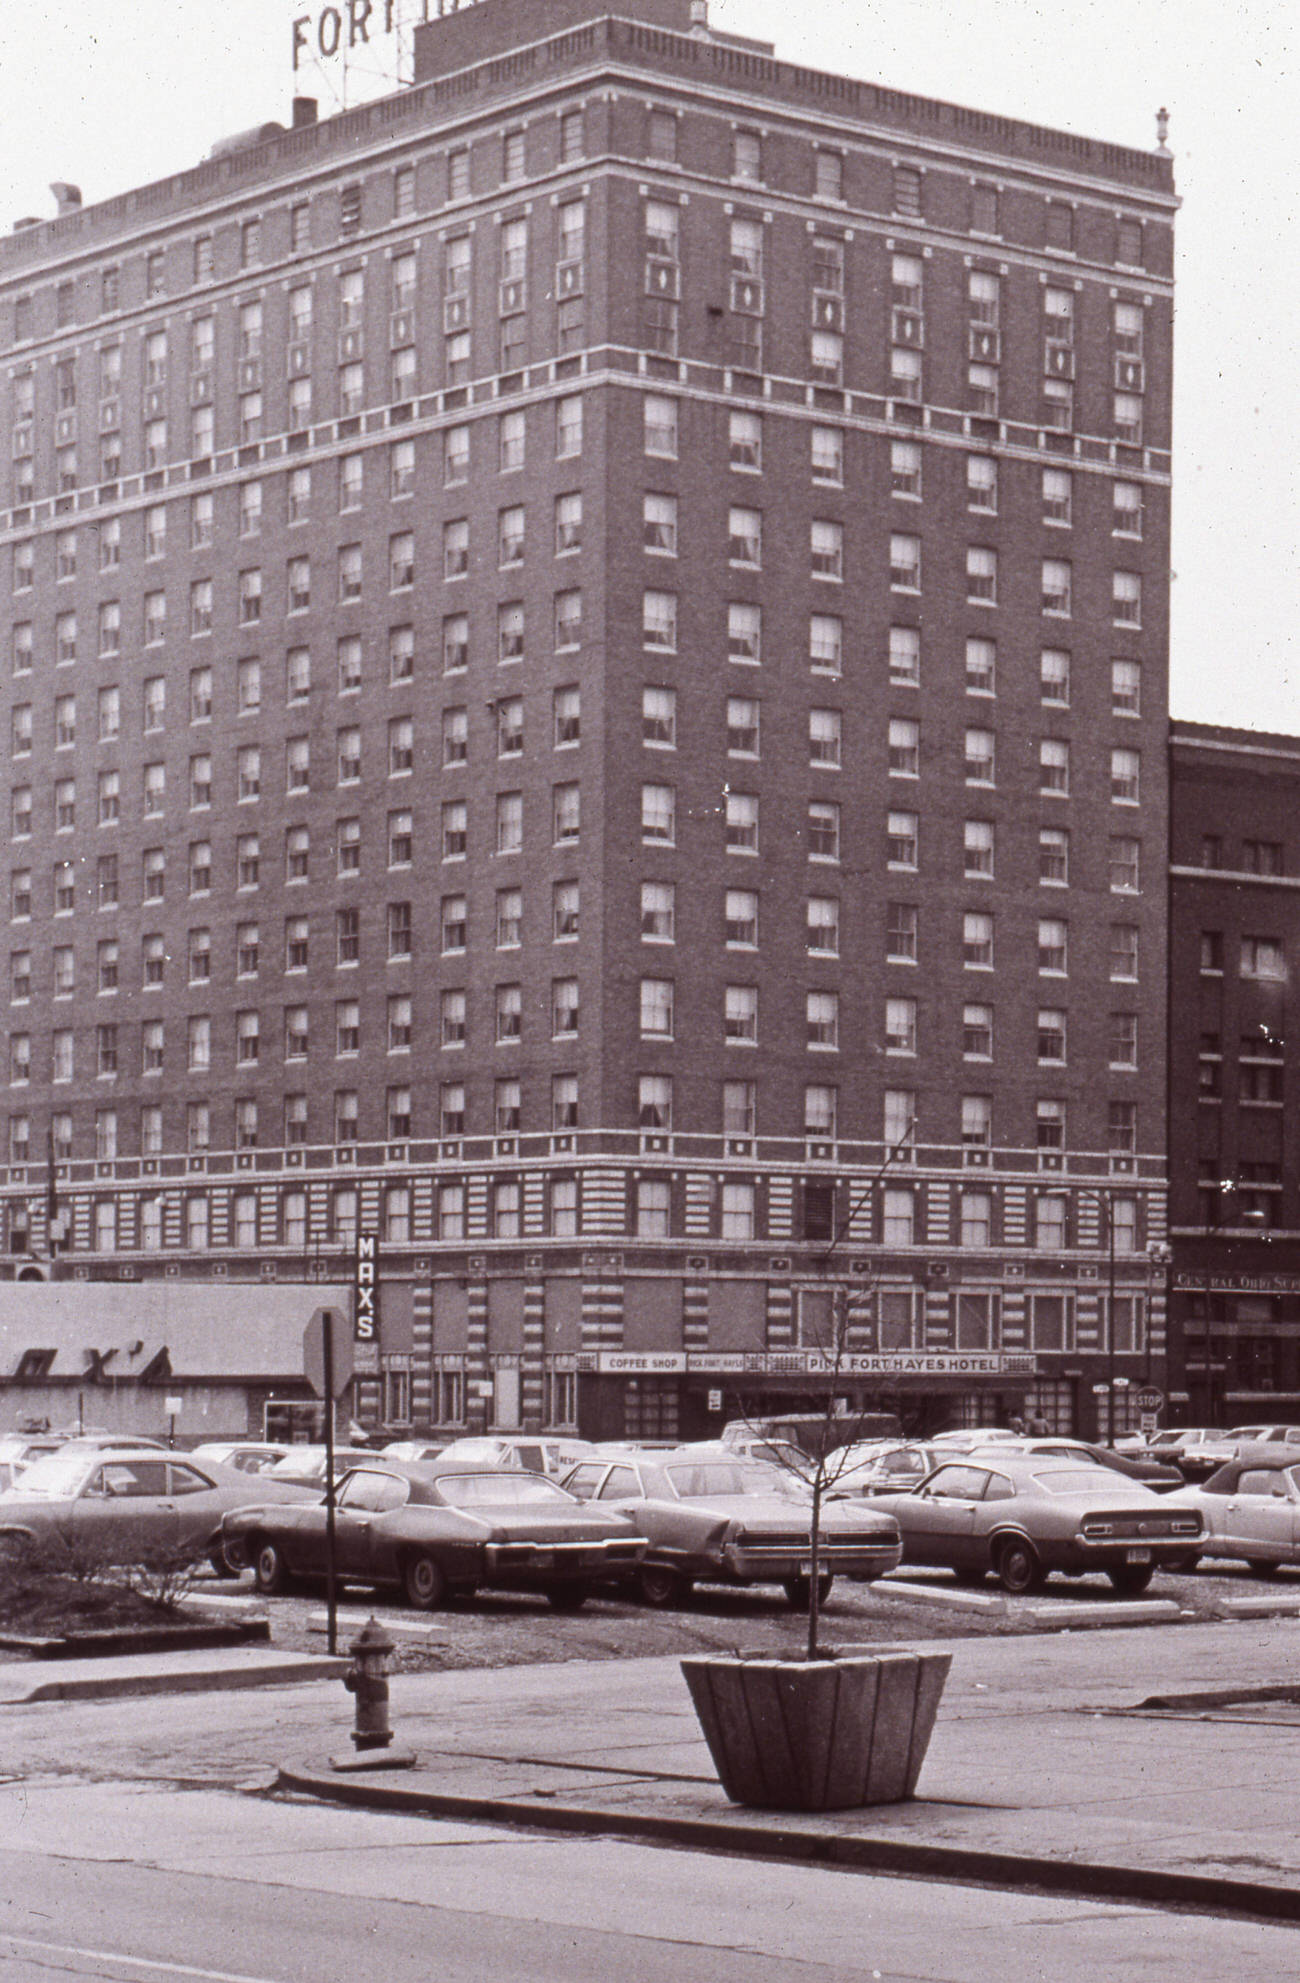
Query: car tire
x=568 y=1597
x=218 y=1565
x=660 y=1587
x=1131 y=1579
x=423 y=1583
x=798 y=1589
x=1018 y=1567
x=269 y=1569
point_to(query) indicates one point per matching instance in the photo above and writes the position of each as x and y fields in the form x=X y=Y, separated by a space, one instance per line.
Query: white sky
x=110 y=97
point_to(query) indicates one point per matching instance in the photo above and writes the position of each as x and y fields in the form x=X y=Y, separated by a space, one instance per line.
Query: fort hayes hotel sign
x=808 y=1363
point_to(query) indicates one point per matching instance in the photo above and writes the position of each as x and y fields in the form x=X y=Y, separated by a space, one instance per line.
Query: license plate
x=1137 y=1555
x=805 y=1569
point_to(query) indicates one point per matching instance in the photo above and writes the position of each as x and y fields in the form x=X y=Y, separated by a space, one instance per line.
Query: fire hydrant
x=367 y=1682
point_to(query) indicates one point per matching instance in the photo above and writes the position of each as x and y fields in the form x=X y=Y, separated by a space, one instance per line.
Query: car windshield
x=500 y=1490
x=303 y=1460
x=1079 y=1480
x=707 y=1477
x=55 y=1475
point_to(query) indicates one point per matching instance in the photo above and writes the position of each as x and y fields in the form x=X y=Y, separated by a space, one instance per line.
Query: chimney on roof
x=700 y=19
x=1162 y=133
x=304 y=111
x=67 y=198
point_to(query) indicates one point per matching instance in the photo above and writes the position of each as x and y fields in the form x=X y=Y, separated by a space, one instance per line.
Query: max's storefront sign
x=365 y=1303
x=809 y=1363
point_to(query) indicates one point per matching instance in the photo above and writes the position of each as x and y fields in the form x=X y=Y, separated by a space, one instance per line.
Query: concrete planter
x=823 y=1735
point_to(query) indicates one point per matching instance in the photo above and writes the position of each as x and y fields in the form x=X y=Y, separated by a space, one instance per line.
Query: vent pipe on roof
x=304 y=111
x=67 y=198
x=1162 y=133
x=700 y=19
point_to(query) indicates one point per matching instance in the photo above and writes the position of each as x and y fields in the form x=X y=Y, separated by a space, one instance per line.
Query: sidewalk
x=1041 y=1772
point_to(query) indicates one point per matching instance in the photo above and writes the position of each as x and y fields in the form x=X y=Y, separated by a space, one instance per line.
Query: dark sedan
x=1022 y=1517
x=1152 y=1473
x=436 y=1532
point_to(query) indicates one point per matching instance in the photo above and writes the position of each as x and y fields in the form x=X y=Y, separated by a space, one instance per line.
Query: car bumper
x=773 y=1566
x=550 y=1560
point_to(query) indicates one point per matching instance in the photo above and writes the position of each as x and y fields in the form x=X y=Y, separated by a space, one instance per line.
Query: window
x=822 y=937
x=740 y=1015
x=823 y=830
x=904 y=465
x=1053 y=946
x=659 y=620
x=1127 y=509
x=904 y=563
x=905 y=656
x=1058 y=496
x=656 y=1009
x=1122 y=1039
x=1049 y=1123
x=740 y=919
x=825 y=643
x=658 y=911
x=978 y=847
x=977 y=1032
x=1050 y=1220
x=979 y=759
x=824 y=737
x=826 y=357
x=1125 y=777
x=660 y=424
x=1263 y=957
x=900 y=1025
x=901 y=840
x=977 y=940
x=1058 y=406
x=566 y=814
x=904 y=756
x=1051 y=1035
x=905 y=374
x=907 y=190
x=827 y=549
x=1054 y=677
x=1124 y=860
x=1126 y=599
x=568 y=426
x=297 y=674
x=977 y=1121
x=1121 y=1129
x=742 y=726
x=746 y=156
x=1054 y=767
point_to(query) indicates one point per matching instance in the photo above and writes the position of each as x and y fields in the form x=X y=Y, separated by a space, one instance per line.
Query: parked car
x=1250 y=1507
x=814 y=1432
x=1196 y=1450
x=126 y=1503
x=441 y=1530
x=881 y=1467
x=1155 y=1473
x=413 y=1449
x=19 y=1449
x=245 y=1455
x=1271 y=1435
x=529 y=1451
x=782 y=1453
x=1022 y=1516
x=717 y=1520
x=304 y=1466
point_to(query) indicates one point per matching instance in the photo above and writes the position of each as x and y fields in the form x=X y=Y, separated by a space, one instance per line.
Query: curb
x=957 y=1865
x=201 y=1680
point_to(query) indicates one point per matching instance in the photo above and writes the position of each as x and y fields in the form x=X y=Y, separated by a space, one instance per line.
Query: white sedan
x=1250 y=1508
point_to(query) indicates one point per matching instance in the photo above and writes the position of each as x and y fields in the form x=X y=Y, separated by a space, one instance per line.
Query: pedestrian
x=1039 y=1427
x=1016 y=1423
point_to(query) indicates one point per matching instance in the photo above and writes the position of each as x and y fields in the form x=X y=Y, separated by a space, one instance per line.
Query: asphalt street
x=125 y=1882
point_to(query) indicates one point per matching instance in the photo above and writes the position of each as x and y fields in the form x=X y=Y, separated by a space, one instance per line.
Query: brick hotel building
x=587 y=693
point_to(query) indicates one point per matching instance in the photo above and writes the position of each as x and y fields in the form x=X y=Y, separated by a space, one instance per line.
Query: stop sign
x=313 y=1351
x=1149 y=1398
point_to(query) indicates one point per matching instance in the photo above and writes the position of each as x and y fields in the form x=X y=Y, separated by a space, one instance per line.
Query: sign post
x=327 y=1366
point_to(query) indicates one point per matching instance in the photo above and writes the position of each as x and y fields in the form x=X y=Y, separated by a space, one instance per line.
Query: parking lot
x=500 y=1628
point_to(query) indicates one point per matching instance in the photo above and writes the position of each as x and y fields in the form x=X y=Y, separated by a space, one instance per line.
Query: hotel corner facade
x=587 y=695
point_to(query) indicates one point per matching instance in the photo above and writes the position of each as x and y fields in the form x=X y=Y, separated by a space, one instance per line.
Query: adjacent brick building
x=588 y=693
x=1234 y=934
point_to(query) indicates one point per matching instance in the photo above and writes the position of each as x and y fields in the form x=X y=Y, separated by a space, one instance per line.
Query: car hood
x=779 y=1511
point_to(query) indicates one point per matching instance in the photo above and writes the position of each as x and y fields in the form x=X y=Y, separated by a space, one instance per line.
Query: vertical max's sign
x=365 y=1303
